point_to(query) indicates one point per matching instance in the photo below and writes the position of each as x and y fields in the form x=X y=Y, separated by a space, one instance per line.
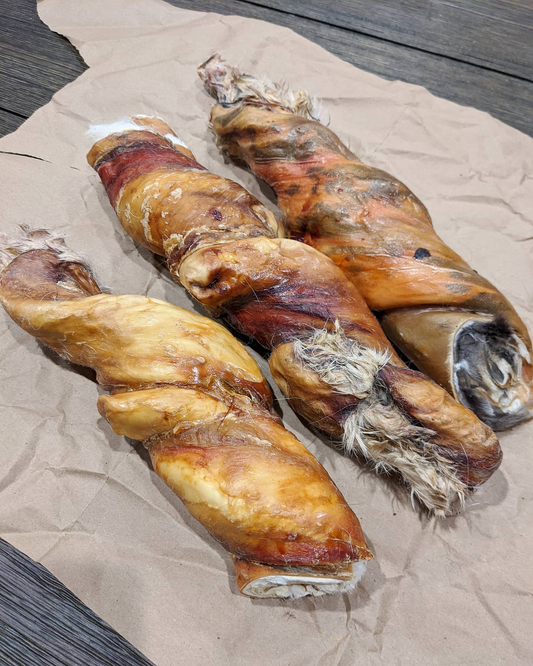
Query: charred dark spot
x=296 y=145
x=214 y=212
x=315 y=188
x=456 y=288
x=275 y=150
x=213 y=282
x=228 y=117
x=305 y=149
x=292 y=190
x=241 y=134
x=422 y=253
x=320 y=135
x=319 y=214
x=298 y=235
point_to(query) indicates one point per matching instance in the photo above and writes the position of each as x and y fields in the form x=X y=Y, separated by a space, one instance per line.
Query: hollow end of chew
x=266 y=581
x=492 y=373
x=478 y=358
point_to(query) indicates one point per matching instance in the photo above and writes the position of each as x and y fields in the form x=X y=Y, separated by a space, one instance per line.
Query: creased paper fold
x=86 y=503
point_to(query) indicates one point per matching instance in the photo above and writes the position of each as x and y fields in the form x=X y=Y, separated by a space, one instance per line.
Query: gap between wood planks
x=494 y=34
x=38 y=62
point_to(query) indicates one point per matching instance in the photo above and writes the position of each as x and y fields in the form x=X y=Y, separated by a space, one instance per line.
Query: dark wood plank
x=505 y=97
x=43 y=624
x=495 y=34
x=34 y=61
x=41 y=61
x=9 y=122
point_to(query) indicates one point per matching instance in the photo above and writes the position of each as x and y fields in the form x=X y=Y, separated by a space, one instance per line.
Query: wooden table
x=474 y=52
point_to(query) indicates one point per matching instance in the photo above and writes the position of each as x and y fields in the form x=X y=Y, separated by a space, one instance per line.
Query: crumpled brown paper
x=86 y=503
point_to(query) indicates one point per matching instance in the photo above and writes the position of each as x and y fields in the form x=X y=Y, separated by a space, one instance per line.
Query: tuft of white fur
x=97 y=132
x=298 y=585
x=230 y=86
x=378 y=428
x=27 y=239
x=342 y=363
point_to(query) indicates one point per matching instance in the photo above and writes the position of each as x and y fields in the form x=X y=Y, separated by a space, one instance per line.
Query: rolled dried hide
x=189 y=390
x=451 y=322
x=329 y=355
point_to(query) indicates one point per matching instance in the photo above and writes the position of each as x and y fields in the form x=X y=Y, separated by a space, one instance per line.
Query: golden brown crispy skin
x=454 y=324
x=330 y=356
x=187 y=388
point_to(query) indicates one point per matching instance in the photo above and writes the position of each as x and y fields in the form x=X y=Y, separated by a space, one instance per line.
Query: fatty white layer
x=297 y=586
x=98 y=132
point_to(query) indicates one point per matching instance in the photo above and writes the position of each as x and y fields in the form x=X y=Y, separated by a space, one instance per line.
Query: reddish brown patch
x=36 y=274
x=120 y=167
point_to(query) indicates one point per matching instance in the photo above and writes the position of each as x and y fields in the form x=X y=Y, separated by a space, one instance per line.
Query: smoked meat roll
x=449 y=321
x=183 y=385
x=329 y=355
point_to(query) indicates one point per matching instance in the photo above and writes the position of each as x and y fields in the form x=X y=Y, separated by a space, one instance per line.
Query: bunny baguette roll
x=329 y=355
x=189 y=390
x=451 y=322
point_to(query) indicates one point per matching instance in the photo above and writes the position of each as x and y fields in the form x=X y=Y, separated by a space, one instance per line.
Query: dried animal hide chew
x=188 y=389
x=329 y=356
x=452 y=323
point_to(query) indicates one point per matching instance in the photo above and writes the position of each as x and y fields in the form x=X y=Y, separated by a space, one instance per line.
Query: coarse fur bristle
x=489 y=359
x=26 y=239
x=230 y=87
x=378 y=428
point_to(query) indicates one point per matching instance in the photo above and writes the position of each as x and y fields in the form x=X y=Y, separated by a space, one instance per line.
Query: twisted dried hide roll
x=451 y=322
x=189 y=390
x=329 y=355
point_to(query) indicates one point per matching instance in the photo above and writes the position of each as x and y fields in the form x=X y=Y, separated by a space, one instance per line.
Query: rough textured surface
x=85 y=503
x=189 y=390
x=381 y=235
x=222 y=245
x=42 y=623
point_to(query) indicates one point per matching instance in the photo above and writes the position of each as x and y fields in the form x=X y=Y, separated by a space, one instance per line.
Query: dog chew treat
x=189 y=390
x=329 y=355
x=452 y=323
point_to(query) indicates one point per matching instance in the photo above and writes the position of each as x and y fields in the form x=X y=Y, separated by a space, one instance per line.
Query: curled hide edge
x=189 y=390
x=329 y=354
x=452 y=323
